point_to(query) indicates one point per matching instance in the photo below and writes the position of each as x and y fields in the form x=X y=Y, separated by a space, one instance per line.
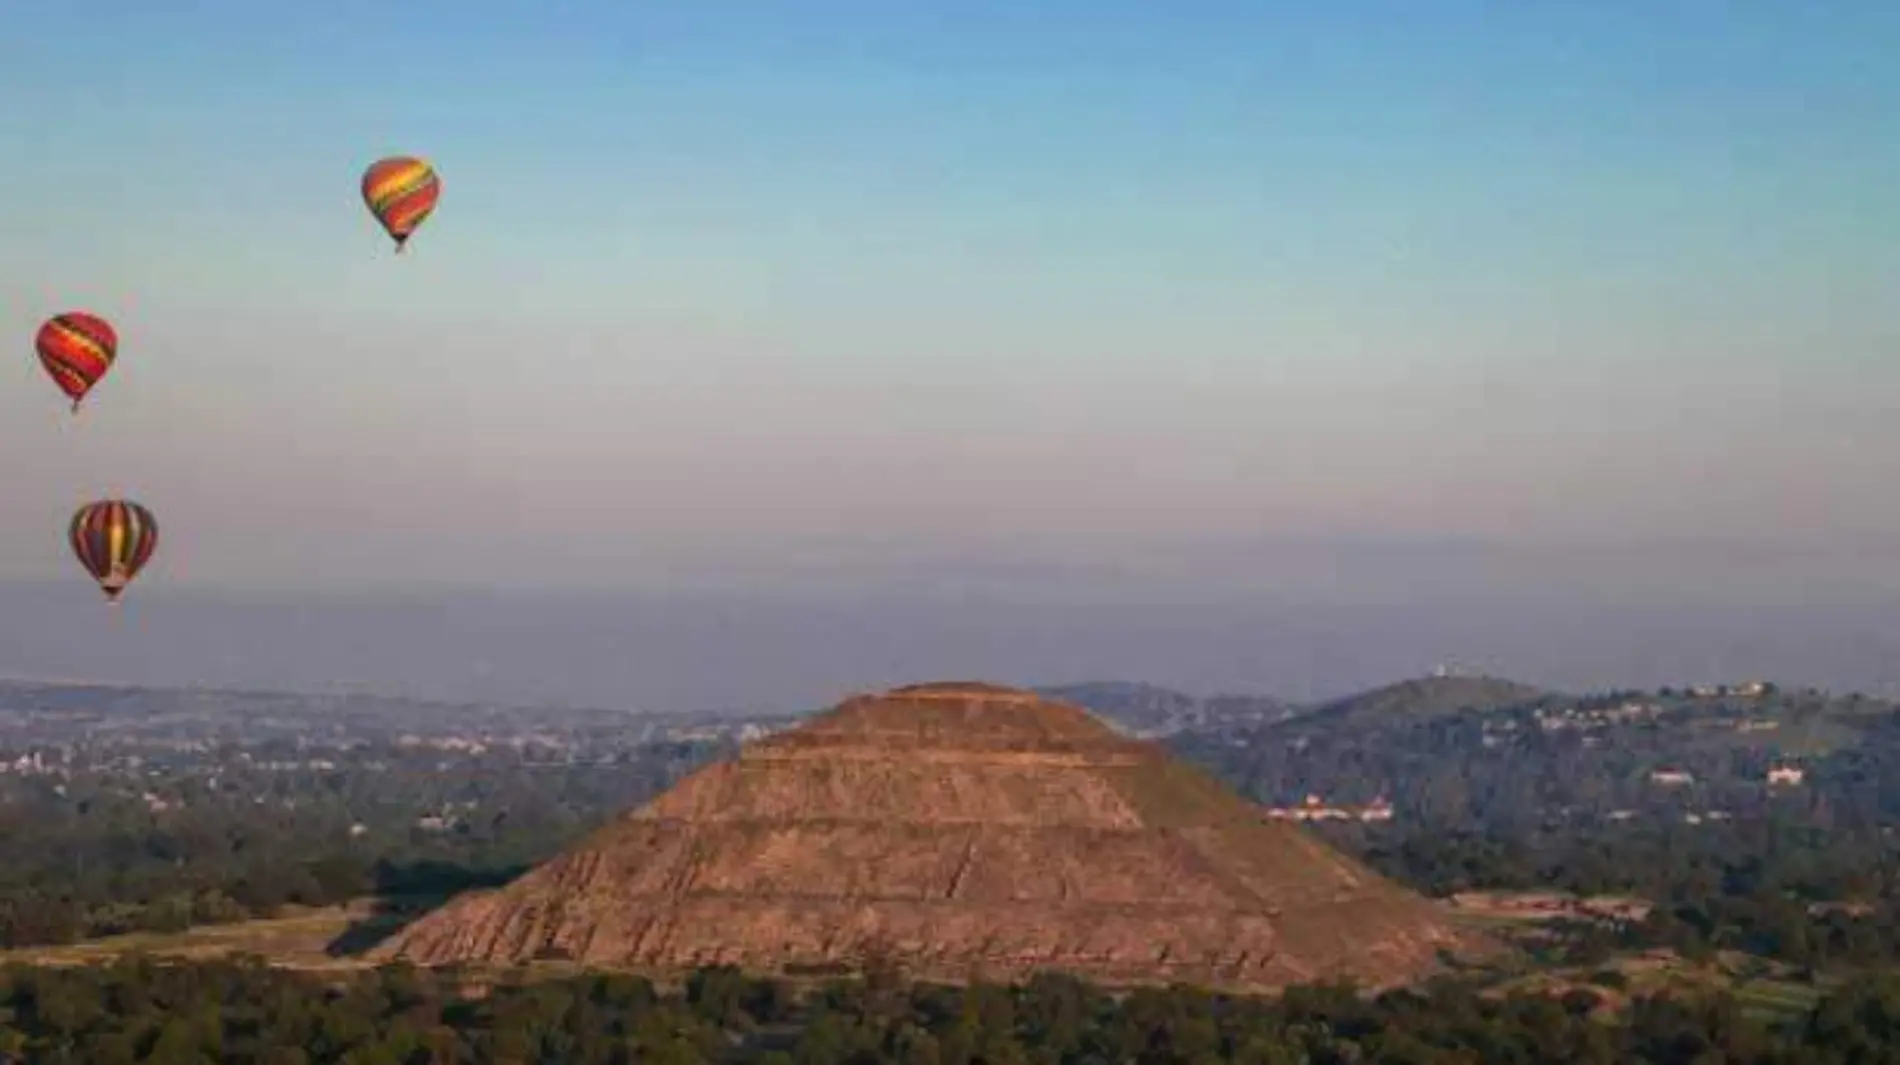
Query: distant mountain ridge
x=1151 y=710
x=1133 y=707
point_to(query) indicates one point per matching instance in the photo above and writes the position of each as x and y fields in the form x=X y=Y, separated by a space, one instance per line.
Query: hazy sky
x=1196 y=303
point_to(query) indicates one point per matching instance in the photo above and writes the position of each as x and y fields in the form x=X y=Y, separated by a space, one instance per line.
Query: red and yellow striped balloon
x=400 y=192
x=114 y=539
x=77 y=349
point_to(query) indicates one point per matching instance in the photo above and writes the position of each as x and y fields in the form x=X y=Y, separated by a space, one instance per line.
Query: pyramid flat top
x=952 y=715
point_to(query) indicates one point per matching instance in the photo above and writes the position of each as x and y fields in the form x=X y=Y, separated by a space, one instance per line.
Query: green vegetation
x=1559 y=794
x=94 y=855
x=243 y=1012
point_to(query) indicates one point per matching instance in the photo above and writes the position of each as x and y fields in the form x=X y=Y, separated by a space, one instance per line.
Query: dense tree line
x=182 y=1014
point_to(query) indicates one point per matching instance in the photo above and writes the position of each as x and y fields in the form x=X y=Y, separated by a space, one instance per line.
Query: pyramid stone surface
x=968 y=830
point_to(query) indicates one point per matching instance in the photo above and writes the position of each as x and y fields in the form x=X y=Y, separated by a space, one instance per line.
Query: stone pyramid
x=963 y=830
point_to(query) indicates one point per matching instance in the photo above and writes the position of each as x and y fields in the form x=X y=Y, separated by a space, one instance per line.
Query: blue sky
x=835 y=294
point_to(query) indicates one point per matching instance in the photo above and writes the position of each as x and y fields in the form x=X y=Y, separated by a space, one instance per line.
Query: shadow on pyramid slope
x=964 y=830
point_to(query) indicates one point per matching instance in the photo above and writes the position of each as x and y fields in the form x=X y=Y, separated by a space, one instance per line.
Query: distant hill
x=1463 y=751
x=1149 y=710
x=1427 y=697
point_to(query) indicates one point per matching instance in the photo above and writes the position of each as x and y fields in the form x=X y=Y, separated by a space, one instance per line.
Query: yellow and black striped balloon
x=114 y=539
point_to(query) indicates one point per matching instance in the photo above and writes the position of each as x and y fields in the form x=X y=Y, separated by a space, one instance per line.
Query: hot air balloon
x=400 y=192
x=77 y=349
x=114 y=539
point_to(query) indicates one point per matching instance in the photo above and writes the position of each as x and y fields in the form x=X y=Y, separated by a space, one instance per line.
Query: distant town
x=169 y=748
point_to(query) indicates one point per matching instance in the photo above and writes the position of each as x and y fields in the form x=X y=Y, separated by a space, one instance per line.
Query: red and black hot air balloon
x=77 y=349
x=114 y=539
x=400 y=191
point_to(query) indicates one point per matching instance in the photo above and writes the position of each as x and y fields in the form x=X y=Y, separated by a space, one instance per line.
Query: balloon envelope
x=76 y=349
x=400 y=191
x=114 y=539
